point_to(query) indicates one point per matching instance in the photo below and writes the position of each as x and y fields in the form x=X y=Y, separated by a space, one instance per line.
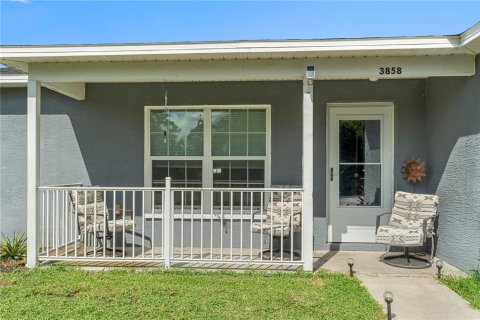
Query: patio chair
x=98 y=223
x=278 y=221
x=412 y=222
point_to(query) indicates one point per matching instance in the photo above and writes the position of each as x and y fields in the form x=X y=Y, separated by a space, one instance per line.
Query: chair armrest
x=377 y=222
x=426 y=224
x=431 y=217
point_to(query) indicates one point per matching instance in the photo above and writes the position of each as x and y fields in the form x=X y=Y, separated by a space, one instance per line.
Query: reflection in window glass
x=176 y=132
x=360 y=185
x=359 y=141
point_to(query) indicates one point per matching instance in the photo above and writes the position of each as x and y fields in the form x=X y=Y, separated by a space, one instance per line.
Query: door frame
x=352 y=105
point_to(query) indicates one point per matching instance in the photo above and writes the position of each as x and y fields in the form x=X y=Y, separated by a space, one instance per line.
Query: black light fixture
x=388 y=297
x=350 y=263
x=439 y=265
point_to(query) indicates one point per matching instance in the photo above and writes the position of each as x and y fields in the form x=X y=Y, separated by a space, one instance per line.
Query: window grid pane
x=239 y=132
x=176 y=132
x=237 y=174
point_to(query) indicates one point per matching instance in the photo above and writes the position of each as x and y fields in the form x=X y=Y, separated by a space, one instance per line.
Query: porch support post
x=307 y=177
x=33 y=169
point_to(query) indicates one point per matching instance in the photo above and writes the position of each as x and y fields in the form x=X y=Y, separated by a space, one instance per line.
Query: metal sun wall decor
x=413 y=170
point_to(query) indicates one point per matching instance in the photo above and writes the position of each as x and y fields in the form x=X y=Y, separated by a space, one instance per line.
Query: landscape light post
x=388 y=297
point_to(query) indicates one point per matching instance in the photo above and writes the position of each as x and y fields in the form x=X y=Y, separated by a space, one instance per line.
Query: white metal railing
x=108 y=224
x=171 y=225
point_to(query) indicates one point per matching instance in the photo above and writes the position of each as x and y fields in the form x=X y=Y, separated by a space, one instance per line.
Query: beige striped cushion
x=279 y=220
x=411 y=209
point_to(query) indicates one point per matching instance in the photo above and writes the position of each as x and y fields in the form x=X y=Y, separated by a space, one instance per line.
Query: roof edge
x=19 y=57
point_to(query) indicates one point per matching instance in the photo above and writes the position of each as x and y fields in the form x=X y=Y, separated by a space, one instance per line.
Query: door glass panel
x=359 y=141
x=360 y=185
x=360 y=166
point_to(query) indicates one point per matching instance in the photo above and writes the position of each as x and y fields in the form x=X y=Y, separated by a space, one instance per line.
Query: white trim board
x=253 y=70
x=37 y=51
x=12 y=81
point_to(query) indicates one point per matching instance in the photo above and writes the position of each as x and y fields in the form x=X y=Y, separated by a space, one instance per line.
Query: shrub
x=15 y=248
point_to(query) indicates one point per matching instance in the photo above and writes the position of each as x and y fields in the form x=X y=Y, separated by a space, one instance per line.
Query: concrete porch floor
x=417 y=293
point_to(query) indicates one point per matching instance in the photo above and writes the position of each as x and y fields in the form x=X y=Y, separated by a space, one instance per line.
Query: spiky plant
x=15 y=248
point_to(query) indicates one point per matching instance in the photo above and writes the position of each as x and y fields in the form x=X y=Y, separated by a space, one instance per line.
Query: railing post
x=167 y=221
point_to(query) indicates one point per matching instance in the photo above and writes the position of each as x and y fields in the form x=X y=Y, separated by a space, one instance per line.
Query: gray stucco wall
x=60 y=156
x=453 y=140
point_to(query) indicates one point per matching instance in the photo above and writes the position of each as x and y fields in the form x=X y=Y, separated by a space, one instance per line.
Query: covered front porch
x=135 y=123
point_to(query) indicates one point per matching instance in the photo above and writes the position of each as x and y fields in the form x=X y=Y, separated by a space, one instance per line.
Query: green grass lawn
x=467 y=287
x=69 y=293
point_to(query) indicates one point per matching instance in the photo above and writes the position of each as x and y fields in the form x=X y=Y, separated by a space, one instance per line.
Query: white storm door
x=359 y=173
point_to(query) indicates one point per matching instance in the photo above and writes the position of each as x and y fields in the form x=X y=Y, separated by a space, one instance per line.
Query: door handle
x=331 y=174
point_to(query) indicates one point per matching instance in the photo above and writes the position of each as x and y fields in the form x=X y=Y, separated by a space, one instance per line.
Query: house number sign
x=390 y=70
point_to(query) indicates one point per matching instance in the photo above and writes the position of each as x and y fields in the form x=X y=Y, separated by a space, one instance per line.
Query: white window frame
x=207 y=158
